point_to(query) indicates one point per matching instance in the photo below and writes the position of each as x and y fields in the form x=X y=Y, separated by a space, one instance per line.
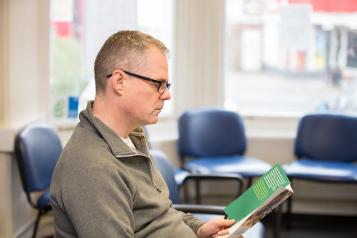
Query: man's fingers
x=223 y=232
x=225 y=222
x=224 y=236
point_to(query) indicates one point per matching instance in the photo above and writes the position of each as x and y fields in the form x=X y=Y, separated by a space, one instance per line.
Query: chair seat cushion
x=256 y=231
x=322 y=170
x=180 y=175
x=44 y=201
x=206 y=217
x=245 y=166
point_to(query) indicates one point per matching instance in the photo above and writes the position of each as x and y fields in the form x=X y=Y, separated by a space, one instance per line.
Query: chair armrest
x=207 y=209
x=233 y=177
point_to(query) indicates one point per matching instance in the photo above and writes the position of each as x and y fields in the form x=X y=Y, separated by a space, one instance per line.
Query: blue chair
x=37 y=149
x=326 y=150
x=202 y=212
x=214 y=141
x=180 y=174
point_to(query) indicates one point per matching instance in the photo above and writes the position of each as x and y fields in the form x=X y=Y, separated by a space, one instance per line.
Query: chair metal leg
x=277 y=222
x=288 y=212
x=186 y=194
x=249 y=183
x=198 y=192
x=37 y=222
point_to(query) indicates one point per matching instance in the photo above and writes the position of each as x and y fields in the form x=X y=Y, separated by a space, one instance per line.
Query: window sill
x=7 y=138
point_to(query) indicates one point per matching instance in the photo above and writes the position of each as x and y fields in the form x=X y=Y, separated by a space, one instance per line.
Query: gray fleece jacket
x=102 y=188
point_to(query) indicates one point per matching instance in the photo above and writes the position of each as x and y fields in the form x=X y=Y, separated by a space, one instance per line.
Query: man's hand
x=217 y=227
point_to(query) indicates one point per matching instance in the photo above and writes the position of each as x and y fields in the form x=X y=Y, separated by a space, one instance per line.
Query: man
x=105 y=183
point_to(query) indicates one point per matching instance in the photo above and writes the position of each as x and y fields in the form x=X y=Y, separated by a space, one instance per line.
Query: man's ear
x=118 y=81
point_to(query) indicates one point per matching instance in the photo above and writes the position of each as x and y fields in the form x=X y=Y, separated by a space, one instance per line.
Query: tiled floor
x=303 y=226
x=45 y=229
x=314 y=226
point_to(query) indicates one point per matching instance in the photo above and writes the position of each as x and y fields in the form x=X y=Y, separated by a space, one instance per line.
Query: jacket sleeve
x=191 y=221
x=98 y=202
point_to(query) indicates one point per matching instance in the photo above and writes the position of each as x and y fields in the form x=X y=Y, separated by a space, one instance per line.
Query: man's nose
x=166 y=95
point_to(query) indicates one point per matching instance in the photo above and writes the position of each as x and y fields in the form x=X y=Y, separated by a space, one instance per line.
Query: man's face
x=144 y=102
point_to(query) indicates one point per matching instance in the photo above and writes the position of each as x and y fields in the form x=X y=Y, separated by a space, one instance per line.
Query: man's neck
x=110 y=115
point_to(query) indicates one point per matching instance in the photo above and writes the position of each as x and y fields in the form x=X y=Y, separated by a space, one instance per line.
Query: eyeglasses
x=162 y=85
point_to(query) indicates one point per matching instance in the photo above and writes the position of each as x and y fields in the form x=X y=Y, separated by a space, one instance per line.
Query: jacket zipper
x=150 y=167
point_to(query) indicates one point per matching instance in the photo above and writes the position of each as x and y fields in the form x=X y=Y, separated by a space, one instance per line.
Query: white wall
x=29 y=60
x=4 y=62
x=199 y=49
x=24 y=93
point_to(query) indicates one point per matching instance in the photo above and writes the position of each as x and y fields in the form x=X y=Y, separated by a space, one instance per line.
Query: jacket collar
x=116 y=144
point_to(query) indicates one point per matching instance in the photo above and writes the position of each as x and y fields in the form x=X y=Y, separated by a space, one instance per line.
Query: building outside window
x=78 y=29
x=283 y=57
x=291 y=57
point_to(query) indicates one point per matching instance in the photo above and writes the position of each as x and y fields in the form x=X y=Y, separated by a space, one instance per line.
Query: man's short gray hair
x=122 y=49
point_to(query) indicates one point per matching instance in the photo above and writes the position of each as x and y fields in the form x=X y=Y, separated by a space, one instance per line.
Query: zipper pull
x=157 y=188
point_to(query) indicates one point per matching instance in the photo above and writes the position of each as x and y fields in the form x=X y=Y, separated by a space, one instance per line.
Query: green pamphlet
x=260 y=199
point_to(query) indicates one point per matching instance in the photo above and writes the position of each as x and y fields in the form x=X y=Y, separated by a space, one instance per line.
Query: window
x=155 y=17
x=290 y=57
x=78 y=29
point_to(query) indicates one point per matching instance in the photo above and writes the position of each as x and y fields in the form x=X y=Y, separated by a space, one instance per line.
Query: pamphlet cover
x=260 y=199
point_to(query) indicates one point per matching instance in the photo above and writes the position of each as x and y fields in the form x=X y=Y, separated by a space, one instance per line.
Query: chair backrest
x=210 y=133
x=168 y=173
x=37 y=149
x=327 y=137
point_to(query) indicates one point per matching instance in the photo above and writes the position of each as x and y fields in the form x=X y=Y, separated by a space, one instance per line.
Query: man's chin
x=155 y=120
x=152 y=121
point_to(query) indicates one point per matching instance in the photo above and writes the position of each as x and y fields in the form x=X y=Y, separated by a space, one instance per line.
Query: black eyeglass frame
x=159 y=83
